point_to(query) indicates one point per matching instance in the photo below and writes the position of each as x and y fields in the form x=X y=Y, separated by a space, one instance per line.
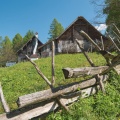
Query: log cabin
x=30 y=49
x=65 y=43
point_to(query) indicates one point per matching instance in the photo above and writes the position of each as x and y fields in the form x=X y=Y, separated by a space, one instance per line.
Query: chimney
x=36 y=35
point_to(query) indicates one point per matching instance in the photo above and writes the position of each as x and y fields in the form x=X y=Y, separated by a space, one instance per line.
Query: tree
x=0 y=42
x=0 y=50
x=99 y=5
x=55 y=29
x=109 y=9
x=17 y=42
x=112 y=10
x=28 y=36
x=6 y=52
x=7 y=41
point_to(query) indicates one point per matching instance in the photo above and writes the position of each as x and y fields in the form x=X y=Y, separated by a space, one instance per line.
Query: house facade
x=30 y=49
x=65 y=43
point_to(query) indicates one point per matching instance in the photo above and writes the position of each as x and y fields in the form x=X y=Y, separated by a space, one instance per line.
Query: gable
x=73 y=31
x=81 y=24
x=29 y=43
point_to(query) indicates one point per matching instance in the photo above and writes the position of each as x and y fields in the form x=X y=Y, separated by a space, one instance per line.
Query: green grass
x=97 y=107
x=22 y=79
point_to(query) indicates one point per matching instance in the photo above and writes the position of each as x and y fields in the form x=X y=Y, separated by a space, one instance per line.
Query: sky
x=19 y=16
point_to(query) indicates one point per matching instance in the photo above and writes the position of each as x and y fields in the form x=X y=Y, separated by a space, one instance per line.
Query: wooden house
x=30 y=49
x=65 y=43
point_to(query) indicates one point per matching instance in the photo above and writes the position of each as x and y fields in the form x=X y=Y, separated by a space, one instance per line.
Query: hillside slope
x=22 y=78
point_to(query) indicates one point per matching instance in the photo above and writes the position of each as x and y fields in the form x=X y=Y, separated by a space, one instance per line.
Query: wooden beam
x=53 y=63
x=97 y=77
x=48 y=106
x=115 y=66
x=47 y=81
x=100 y=83
x=55 y=92
x=83 y=71
x=116 y=29
x=117 y=69
x=102 y=43
x=117 y=48
x=39 y=72
x=117 y=36
x=3 y=101
x=106 y=54
x=85 y=54
x=90 y=39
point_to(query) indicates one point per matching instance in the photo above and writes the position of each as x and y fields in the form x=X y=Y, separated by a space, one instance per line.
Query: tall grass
x=22 y=78
x=96 y=107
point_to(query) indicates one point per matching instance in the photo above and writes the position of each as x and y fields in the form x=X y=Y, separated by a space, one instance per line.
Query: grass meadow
x=22 y=79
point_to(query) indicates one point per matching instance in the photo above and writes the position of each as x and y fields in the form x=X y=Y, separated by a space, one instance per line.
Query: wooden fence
x=43 y=102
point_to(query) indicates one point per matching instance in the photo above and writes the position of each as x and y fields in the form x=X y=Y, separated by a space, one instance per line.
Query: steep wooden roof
x=80 y=23
x=28 y=43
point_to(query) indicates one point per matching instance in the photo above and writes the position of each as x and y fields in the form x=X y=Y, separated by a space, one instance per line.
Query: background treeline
x=110 y=9
x=9 y=48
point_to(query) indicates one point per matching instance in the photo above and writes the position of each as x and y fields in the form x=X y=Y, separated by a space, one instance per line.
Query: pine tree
x=6 y=52
x=55 y=29
x=28 y=36
x=112 y=10
x=17 y=42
